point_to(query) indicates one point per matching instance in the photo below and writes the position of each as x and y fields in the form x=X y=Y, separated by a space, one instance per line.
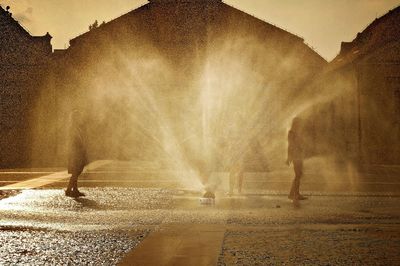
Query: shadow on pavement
x=91 y=204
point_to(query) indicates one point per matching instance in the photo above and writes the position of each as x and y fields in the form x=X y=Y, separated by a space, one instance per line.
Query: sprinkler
x=208 y=198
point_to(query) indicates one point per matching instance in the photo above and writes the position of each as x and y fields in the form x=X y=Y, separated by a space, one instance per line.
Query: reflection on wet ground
x=110 y=221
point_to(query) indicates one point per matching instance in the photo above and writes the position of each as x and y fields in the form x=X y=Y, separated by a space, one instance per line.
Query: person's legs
x=72 y=186
x=294 y=190
x=72 y=189
x=232 y=176
x=298 y=172
x=75 y=184
x=240 y=179
x=75 y=188
x=291 y=193
x=71 y=183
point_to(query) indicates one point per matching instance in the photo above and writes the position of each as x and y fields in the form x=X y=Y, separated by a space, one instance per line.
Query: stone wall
x=358 y=119
x=23 y=65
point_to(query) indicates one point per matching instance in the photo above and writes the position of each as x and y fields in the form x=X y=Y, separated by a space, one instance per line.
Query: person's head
x=296 y=123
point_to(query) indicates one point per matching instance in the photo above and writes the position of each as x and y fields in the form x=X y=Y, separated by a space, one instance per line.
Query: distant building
x=141 y=77
x=361 y=121
x=23 y=64
x=146 y=69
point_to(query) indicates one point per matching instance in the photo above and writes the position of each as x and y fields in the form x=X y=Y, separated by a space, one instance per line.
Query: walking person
x=251 y=160
x=295 y=157
x=77 y=156
x=236 y=178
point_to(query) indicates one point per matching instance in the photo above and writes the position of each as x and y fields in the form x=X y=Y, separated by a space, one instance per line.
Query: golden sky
x=322 y=23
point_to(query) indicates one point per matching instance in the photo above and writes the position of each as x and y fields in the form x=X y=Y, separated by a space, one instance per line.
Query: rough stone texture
x=7 y=193
x=261 y=230
x=35 y=247
x=107 y=208
x=23 y=66
x=319 y=245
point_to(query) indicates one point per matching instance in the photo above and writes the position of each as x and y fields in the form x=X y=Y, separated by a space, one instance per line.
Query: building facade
x=360 y=119
x=23 y=65
x=177 y=80
x=185 y=80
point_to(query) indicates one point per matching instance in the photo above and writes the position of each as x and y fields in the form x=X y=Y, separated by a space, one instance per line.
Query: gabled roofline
x=152 y=2
x=135 y=10
x=349 y=49
x=72 y=41
x=21 y=28
x=264 y=21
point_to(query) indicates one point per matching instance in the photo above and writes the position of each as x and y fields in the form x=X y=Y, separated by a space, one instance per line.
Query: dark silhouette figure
x=251 y=160
x=296 y=156
x=236 y=177
x=77 y=156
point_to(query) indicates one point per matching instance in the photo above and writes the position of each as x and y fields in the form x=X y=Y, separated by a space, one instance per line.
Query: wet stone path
x=44 y=247
x=316 y=245
x=43 y=227
x=7 y=193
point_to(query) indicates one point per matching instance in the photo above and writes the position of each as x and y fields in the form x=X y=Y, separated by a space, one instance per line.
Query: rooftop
x=381 y=31
x=6 y=15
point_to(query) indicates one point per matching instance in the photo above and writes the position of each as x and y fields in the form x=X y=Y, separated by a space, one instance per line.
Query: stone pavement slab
x=44 y=179
x=190 y=244
x=12 y=176
x=38 y=182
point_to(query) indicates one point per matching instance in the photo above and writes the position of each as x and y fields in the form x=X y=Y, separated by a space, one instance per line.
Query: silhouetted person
x=296 y=156
x=251 y=160
x=77 y=157
x=236 y=177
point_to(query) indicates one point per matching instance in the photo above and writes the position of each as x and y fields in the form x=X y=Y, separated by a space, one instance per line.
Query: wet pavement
x=312 y=245
x=102 y=208
x=128 y=219
x=28 y=246
x=7 y=193
x=43 y=227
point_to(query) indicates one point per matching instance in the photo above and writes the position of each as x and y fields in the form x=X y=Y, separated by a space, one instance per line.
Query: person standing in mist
x=251 y=160
x=77 y=156
x=296 y=156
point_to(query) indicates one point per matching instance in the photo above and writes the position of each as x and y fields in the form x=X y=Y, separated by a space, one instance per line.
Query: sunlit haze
x=199 y=132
